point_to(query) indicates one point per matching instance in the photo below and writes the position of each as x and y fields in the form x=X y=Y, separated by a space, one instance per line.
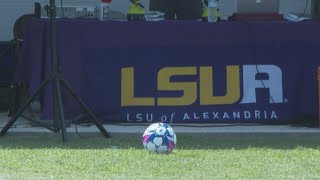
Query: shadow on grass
x=185 y=141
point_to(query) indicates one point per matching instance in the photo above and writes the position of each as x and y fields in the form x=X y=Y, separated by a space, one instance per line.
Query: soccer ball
x=159 y=138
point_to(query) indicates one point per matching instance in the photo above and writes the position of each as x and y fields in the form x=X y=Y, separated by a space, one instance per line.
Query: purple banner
x=180 y=71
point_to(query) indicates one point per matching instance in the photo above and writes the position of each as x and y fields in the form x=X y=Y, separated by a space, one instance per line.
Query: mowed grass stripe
x=196 y=157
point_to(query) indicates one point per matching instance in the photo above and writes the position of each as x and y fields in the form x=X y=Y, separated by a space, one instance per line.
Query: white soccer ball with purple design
x=159 y=138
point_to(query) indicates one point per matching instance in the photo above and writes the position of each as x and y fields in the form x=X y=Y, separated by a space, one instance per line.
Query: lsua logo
x=205 y=74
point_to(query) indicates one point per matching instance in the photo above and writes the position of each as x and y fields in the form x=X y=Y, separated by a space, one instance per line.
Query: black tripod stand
x=57 y=81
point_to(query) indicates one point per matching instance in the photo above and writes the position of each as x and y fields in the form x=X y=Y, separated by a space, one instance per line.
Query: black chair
x=18 y=92
x=20 y=25
x=7 y=56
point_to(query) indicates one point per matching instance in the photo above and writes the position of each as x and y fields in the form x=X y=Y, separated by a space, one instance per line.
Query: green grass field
x=195 y=157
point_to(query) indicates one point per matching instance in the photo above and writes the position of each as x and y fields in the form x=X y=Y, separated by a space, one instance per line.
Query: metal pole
x=59 y=121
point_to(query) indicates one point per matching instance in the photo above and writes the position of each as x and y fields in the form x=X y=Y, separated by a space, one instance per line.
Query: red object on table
x=106 y=1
